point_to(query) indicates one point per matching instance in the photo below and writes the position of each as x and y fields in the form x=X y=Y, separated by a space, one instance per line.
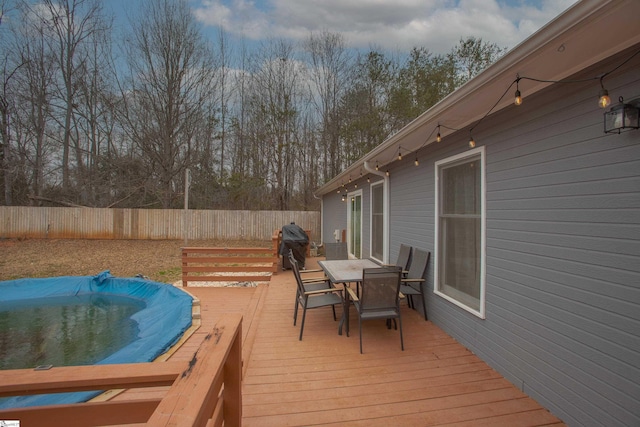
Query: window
x=377 y=222
x=460 y=232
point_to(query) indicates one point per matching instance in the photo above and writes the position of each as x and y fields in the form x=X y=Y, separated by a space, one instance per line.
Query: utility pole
x=185 y=222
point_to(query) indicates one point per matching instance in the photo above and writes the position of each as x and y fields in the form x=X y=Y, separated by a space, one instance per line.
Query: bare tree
x=275 y=103
x=72 y=23
x=330 y=66
x=172 y=83
x=31 y=99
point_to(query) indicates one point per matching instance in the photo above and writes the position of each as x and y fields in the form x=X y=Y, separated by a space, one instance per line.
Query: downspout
x=385 y=203
x=321 y=239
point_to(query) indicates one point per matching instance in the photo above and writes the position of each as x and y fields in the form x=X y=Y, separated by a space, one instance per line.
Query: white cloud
x=389 y=24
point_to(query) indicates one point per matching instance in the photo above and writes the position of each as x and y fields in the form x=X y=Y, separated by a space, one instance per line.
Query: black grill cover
x=294 y=238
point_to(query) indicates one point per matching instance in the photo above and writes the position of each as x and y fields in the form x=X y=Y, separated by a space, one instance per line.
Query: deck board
x=324 y=380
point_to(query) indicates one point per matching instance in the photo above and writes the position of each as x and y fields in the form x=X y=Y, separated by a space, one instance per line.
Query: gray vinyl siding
x=562 y=250
x=334 y=216
x=563 y=255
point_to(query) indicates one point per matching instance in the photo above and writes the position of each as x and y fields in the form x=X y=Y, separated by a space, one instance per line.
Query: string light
x=472 y=142
x=603 y=101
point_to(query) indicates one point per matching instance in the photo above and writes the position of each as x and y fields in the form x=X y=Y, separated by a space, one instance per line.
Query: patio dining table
x=344 y=272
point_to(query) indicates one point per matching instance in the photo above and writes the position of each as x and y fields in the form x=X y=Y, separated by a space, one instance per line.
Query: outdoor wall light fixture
x=621 y=117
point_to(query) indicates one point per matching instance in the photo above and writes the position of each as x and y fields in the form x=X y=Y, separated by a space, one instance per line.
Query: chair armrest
x=323 y=291
x=412 y=280
x=314 y=279
x=311 y=271
x=352 y=294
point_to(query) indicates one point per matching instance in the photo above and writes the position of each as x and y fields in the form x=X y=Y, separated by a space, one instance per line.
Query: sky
x=390 y=25
x=393 y=25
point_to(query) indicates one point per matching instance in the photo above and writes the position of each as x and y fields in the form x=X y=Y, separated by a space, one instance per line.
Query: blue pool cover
x=161 y=323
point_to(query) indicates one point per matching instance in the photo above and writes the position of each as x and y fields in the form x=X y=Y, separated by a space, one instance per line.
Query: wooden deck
x=324 y=380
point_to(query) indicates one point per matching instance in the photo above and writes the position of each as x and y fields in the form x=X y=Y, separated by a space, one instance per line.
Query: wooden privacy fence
x=204 y=391
x=101 y=223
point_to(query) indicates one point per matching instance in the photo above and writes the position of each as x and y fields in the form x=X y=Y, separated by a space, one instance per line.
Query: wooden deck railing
x=205 y=390
x=203 y=264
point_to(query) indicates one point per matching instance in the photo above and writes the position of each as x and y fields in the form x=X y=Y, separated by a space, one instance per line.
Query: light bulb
x=604 y=101
x=416 y=162
x=518 y=100
x=472 y=143
x=438 y=137
x=387 y=172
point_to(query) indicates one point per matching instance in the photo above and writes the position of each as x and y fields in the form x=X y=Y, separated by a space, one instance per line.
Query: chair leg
x=401 y=338
x=360 y=327
x=333 y=307
x=424 y=303
x=304 y=314
x=295 y=312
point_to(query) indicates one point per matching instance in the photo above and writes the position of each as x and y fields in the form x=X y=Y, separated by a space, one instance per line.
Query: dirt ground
x=157 y=259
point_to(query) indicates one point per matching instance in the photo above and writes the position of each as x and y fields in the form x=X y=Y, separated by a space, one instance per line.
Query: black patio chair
x=310 y=283
x=379 y=297
x=414 y=283
x=404 y=258
x=311 y=295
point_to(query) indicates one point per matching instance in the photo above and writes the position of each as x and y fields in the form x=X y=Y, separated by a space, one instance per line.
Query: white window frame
x=481 y=313
x=385 y=215
x=357 y=193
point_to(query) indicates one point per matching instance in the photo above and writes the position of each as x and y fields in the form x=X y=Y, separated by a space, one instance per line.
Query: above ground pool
x=69 y=321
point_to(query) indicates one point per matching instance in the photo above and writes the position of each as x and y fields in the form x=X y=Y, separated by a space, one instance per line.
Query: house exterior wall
x=562 y=250
x=334 y=216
